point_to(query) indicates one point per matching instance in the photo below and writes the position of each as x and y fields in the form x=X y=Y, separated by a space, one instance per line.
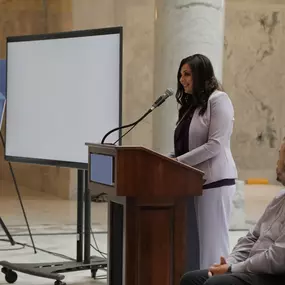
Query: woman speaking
x=202 y=140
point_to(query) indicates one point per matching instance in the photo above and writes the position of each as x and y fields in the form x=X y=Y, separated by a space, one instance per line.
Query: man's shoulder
x=281 y=193
x=278 y=198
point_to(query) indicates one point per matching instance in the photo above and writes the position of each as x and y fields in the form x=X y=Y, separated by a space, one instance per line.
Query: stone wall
x=18 y=17
x=254 y=77
x=253 y=74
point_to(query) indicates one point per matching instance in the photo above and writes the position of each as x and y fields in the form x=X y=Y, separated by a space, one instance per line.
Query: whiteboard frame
x=62 y=35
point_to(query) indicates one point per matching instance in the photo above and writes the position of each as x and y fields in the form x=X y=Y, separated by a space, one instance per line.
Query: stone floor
x=53 y=223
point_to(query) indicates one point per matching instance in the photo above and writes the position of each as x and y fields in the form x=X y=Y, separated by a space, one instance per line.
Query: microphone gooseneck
x=169 y=92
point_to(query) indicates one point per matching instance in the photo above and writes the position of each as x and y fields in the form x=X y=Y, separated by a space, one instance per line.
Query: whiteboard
x=63 y=90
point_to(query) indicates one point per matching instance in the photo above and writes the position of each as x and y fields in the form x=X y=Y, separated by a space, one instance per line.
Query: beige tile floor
x=48 y=214
x=42 y=208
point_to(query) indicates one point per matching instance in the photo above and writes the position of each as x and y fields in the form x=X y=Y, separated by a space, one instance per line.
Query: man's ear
x=282 y=154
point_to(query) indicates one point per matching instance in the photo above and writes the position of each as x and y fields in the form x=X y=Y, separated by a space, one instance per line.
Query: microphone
x=168 y=92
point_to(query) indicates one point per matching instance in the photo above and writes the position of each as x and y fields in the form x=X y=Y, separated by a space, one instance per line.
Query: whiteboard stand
x=77 y=102
x=53 y=270
x=2 y=109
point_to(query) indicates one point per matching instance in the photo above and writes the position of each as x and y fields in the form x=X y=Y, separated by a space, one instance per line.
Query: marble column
x=182 y=28
x=137 y=19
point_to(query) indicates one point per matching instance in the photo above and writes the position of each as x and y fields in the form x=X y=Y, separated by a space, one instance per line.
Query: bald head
x=280 y=171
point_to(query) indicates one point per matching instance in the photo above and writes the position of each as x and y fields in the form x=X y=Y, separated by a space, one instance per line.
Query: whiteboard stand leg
x=19 y=195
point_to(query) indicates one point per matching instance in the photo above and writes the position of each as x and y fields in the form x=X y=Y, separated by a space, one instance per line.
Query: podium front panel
x=102 y=170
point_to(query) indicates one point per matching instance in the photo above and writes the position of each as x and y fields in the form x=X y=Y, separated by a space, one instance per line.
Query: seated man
x=259 y=257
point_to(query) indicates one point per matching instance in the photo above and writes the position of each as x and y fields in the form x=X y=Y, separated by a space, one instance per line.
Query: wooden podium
x=147 y=217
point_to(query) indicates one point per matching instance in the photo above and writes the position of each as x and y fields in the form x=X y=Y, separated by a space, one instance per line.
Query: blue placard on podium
x=3 y=77
x=2 y=108
x=2 y=89
x=102 y=169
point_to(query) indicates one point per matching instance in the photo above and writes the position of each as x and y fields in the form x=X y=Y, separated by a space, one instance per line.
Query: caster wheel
x=94 y=272
x=58 y=282
x=11 y=276
x=4 y=270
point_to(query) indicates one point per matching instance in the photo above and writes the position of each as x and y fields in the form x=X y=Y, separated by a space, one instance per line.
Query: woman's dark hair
x=204 y=84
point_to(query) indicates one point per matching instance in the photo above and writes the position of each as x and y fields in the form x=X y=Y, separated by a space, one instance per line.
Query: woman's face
x=186 y=78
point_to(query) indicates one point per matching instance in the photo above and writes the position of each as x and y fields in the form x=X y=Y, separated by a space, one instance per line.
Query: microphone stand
x=126 y=126
x=102 y=197
x=156 y=104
